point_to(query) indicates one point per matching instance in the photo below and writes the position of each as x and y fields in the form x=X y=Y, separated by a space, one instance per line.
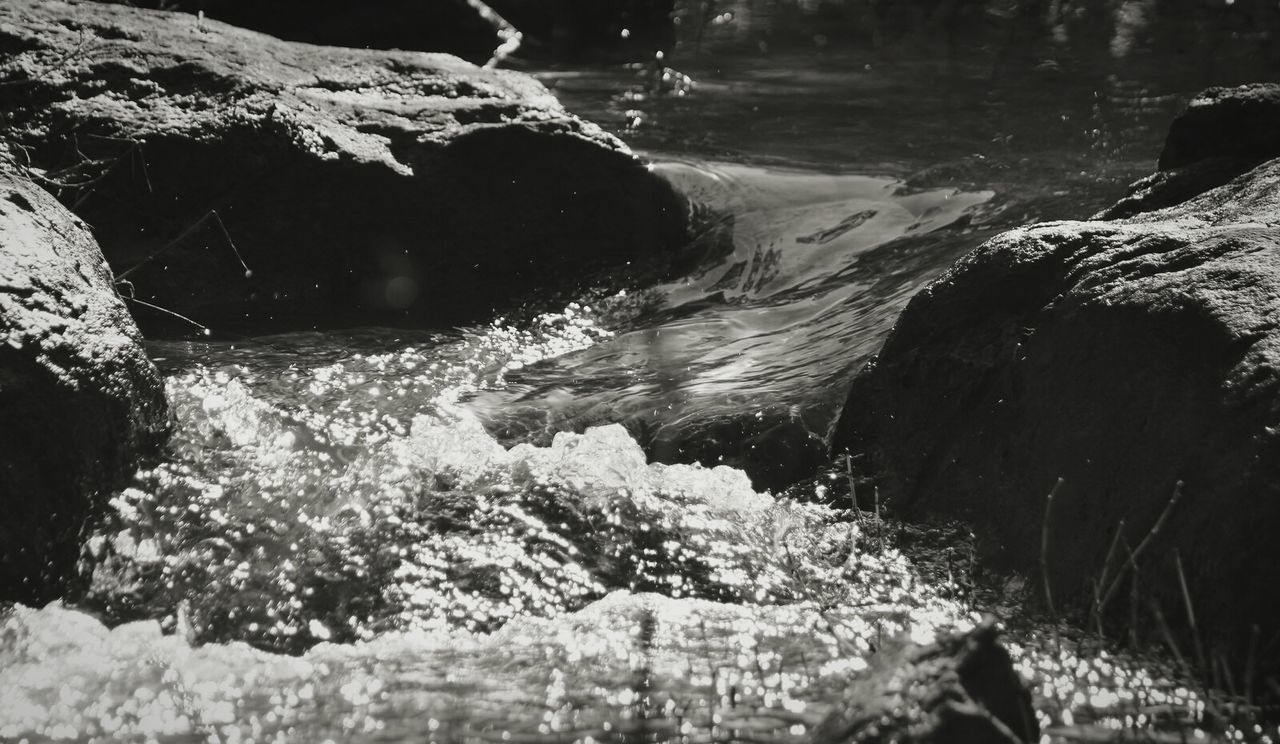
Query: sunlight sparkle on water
x=312 y=504
x=353 y=512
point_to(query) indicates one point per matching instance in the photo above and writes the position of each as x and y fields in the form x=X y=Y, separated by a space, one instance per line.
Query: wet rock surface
x=377 y=186
x=1124 y=357
x=79 y=400
x=1222 y=133
x=960 y=688
x=1241 y=122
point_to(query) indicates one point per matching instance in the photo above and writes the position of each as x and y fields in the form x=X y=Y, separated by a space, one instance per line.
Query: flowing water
x=503 y=532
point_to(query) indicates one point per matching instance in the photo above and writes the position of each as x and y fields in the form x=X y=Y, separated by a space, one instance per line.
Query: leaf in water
x=851 y=222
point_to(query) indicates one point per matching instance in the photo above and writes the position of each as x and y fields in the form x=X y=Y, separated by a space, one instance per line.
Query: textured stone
x=1222 y=133
x=79 y=400
x=1241 y=122
x=1123 y=357
x=358 y=185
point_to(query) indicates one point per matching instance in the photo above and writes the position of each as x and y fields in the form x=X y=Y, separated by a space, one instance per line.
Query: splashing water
x=289 y=517
x=302 y=505
x=436 y=585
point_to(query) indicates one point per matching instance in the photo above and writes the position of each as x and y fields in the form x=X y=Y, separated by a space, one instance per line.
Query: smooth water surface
x=744 y=361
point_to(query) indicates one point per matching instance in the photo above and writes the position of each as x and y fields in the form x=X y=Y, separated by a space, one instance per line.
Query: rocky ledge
x=348 y=185
x=1136 y=359
x=80 y=403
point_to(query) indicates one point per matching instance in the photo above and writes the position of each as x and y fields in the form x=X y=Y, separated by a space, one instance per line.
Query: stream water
x=471 y=534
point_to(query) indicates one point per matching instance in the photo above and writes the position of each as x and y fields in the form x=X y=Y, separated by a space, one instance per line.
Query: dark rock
x=79 y=400
x=1123 y=357
x=1242 y=122
x=562 y=30
x=1222 y=133
x=358 y=185
x=1172 y=187
x=961 y=688
x=776 y=446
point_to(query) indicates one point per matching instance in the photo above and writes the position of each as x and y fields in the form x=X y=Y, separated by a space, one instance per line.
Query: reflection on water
x=1209 y=42
x=801 y=276
x=1068 y=140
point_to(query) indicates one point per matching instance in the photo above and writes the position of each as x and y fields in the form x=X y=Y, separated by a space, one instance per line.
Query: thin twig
x=1102 y=578
x=1250 y=661
x=879 y=522
x=146 y=173
x=1135 y=594
x=1155 y=529
x=853 y=489
x=1044 y=546
x=1168 y=638
x=87 y=173
x=179 y=316
x=92 y=185
x=212 y=214
x=1229 y=679
x=1191 y=613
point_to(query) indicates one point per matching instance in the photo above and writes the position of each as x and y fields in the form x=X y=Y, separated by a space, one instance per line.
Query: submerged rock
x=1125 y=357
x=961 y=688
x=357 y=185
x=79 y=400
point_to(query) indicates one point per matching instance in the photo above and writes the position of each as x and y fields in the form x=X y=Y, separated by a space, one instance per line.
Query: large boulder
x=79 y=400
x=1125 y=357
x=357 y=185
